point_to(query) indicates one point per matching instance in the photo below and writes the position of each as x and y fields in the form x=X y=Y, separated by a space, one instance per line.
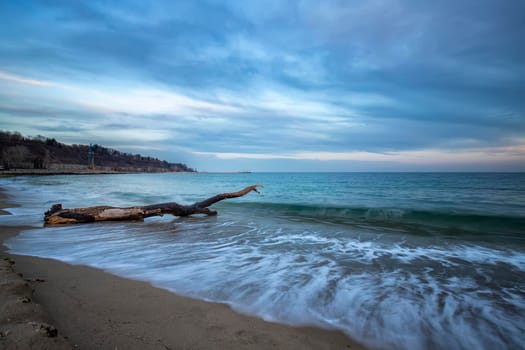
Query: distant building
x=91 y=157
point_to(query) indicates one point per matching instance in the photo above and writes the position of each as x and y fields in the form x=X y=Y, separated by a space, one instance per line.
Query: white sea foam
x=401 y=297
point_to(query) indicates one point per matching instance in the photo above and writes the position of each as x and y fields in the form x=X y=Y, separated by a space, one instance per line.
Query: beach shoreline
x=95 y=309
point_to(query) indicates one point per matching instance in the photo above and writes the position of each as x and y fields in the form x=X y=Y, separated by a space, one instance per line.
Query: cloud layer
x=273 y=85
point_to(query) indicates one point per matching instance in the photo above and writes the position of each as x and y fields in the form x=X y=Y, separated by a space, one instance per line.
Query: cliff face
x=19 y=152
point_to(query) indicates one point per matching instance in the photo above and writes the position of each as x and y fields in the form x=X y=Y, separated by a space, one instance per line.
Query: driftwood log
x=58 y=216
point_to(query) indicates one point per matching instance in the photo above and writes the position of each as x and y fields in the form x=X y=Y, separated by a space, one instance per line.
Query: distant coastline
x=24 y=172
x=86 y=171
x=20 y=155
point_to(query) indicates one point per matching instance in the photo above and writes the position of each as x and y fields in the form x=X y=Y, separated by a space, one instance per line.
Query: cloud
x=428 y=156
x=22 y=80
x=339 y=80
x=150 y=101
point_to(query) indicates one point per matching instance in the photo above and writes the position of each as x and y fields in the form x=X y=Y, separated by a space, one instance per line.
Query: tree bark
x=59 y=216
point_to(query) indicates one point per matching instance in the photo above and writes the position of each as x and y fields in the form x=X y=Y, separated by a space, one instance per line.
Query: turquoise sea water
x=395 y=260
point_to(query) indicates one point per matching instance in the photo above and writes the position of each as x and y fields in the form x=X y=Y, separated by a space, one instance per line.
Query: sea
x=394 y=260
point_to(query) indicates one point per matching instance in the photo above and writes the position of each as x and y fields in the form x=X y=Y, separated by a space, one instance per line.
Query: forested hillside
x=19 y=152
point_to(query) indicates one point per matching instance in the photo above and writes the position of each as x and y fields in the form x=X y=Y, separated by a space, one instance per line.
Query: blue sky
x=273 y=85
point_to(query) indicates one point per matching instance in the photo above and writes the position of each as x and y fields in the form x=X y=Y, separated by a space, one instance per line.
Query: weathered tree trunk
x=57 y=216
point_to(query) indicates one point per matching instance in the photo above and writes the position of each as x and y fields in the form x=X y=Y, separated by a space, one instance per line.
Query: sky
x=377 y=85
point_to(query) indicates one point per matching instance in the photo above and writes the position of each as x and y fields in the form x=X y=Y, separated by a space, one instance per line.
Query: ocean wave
x=416 y=221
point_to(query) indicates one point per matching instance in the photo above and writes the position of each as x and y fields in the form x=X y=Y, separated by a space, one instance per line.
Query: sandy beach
x=47 y=304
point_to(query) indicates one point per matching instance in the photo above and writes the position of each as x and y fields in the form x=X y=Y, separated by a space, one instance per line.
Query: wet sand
x=92 y=309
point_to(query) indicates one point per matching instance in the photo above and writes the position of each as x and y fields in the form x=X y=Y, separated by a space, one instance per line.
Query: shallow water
x=426 y=261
